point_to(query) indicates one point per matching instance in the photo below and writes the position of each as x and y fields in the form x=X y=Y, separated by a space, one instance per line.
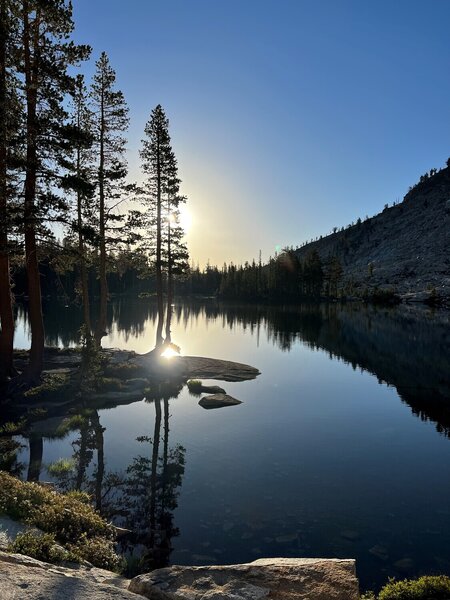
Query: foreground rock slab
x=24 y=577
x=218 y=401
x=274 y=578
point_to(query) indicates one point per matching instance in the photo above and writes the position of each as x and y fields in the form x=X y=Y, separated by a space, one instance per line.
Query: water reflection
x=325 y=473
x=140 y=499
x=406 y=347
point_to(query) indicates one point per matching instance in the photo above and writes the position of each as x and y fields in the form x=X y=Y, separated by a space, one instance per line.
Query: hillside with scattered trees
x=402 y=250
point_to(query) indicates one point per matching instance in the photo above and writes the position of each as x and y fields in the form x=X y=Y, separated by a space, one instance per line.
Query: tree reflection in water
x=142 y=499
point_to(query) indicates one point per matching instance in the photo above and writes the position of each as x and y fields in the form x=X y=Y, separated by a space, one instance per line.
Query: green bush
x=429 y=587
x=68 y=518
x=97 y=551
x=40 y=546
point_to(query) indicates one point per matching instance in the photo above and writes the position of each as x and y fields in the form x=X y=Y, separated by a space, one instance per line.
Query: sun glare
x=169 y=353
x=185 y=218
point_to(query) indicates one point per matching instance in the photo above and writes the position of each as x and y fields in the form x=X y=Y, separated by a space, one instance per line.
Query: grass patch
x=195 y=386
x=67 y=519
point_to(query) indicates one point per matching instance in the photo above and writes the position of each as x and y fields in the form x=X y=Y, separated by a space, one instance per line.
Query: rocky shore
x=275 y=578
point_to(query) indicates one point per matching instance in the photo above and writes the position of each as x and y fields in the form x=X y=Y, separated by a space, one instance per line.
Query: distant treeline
x=285 y=277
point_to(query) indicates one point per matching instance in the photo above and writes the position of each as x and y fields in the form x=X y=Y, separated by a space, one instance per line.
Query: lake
x=340 y=447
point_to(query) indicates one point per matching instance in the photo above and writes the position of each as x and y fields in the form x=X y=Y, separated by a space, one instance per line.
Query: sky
x=287 y=117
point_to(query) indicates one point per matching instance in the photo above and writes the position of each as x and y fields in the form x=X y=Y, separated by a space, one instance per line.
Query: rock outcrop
x=193 y=367
x=24 y=577
x=405 y=248
x=274 y=578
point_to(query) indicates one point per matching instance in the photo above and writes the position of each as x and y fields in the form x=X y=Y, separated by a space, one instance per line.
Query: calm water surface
x=339 y=449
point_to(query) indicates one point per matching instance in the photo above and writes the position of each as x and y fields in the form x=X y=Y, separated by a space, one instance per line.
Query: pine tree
x=156 y=156
x=79 y=180
x=176 y=253
x=47 y=52
x=110 y=121
x=161 y=219
x=9 y=125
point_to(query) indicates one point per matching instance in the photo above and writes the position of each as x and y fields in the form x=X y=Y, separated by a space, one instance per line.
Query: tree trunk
x=159 y=281
x=169 y=280
x=154 y=471
x=99 y=444
x=6 y=307
x=34 y=369
x=36 y=454
x=82 y=262
x=101 y=325
x=83 y=460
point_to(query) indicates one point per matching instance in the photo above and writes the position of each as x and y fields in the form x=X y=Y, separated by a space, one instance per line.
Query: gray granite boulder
x=24 y=577
x=274 y=578
x=218 y=401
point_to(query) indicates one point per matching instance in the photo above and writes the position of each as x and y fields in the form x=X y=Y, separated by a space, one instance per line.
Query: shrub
x=97 y=551
x=40 y=546
x=429 y=587
x=67 y=518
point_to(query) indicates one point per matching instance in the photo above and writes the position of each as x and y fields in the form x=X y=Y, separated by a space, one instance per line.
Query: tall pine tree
x=10 y=118
x=80 y=181
x=47 y=53
x=175 y=251
x=156 y=156
x=110 y=121
x=161 y=198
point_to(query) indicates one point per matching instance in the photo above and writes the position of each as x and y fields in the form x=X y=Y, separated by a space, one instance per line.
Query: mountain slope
x=405 y=248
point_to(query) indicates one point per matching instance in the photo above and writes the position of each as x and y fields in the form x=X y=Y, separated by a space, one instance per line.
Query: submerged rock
x=350 y=535
x=275 y=578
x=218 y=401
x=404 y=565
x=380 y=552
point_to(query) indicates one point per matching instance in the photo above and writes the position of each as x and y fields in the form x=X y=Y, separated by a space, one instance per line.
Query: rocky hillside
x=405 y=248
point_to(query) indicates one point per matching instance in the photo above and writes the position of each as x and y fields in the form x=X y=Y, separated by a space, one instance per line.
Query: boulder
x=218 y=401
x=25 y=577
x=274 y=578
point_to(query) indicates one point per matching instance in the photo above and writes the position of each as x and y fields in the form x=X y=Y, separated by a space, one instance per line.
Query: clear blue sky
x=288 y=117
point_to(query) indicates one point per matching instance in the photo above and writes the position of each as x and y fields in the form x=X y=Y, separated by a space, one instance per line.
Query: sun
x=185 y=218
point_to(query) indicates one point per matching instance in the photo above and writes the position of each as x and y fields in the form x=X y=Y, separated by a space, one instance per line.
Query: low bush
x=67 y=518
x=40 y=546
x=424 y=588
x=429 y=587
